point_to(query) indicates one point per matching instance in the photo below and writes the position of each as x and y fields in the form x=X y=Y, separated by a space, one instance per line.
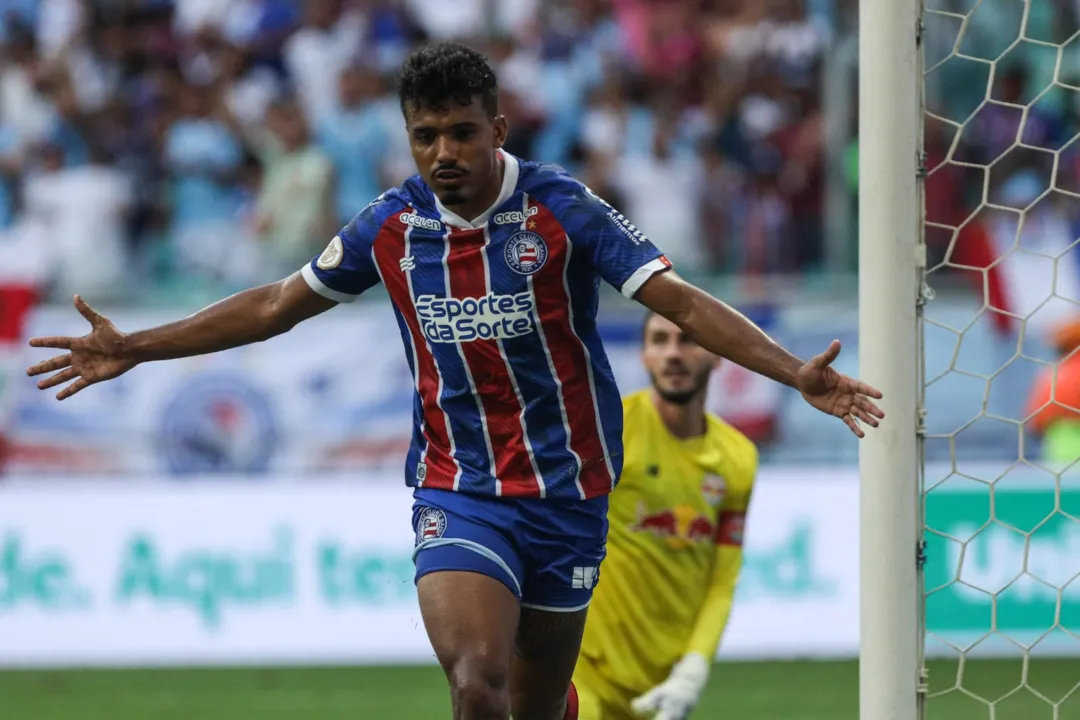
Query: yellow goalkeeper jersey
x=673 y=549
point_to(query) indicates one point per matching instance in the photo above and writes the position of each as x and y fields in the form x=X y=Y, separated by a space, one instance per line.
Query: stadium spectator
x=202 y=157
x=1054 y=403
x=317 y=54
x=295 y=206
x=356 y=136
x=680 y=87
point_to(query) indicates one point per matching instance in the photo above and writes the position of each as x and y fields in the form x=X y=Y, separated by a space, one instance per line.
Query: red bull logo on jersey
x=680 y=527
x=460 y=320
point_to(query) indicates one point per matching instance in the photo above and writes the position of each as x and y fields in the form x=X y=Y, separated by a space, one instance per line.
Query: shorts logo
x=526 y=253
x=584 y=578
x=431 y=525
x=332 y=255
x=420 y=222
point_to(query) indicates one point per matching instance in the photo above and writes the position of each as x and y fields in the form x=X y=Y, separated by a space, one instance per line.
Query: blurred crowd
x=1003 y=185
x=178 y=144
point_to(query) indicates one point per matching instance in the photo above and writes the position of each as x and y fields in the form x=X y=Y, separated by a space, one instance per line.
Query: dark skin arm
x=724 y=331
x=247 y=317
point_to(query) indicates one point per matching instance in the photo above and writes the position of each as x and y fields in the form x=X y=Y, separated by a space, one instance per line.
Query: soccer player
x=674 y=542
x=493 y=267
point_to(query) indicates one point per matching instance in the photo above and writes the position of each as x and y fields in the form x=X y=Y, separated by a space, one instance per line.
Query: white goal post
x=891 y=261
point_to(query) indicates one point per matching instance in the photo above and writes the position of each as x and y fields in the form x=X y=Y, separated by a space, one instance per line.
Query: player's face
x=678 y=367
x=455 y=149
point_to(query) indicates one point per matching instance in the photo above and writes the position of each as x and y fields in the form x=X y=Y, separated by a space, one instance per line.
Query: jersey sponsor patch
x=332 y=256
x=626 y=227
x=729 y=530
x=492 y=317
x=515 y=217
x=420 y=222
x=430 y=525
x=526 y=253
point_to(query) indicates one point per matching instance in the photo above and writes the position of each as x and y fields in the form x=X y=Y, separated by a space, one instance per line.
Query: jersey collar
x=509 y=184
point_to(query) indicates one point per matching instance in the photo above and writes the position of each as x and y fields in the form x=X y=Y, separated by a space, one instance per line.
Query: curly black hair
x=437 y=76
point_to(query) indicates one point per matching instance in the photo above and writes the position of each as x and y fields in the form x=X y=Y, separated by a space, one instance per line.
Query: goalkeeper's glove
x=676 y=697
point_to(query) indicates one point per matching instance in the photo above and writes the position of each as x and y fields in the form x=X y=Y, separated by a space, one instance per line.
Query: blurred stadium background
x=247 y=509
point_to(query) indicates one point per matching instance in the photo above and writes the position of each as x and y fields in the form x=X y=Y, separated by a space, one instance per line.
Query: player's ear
x=502 y=129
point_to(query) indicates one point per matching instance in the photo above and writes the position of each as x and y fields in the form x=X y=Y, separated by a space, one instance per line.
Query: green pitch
x=738 y=691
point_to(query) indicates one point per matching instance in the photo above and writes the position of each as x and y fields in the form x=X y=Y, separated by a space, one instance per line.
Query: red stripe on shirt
x=389 y=249
x=729 y=528
x=568 y=354
x=491 y=373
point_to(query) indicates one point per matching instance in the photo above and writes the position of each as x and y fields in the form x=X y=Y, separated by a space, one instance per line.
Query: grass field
x=738 y=691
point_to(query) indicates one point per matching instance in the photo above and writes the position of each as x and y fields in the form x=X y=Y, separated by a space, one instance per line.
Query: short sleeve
x=622 y=255
x=346 y=268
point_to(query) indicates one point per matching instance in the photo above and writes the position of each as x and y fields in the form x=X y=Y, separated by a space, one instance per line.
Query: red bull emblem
x=681 y=526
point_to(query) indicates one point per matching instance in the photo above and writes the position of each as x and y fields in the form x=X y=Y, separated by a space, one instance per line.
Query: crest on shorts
x=431 y=525
x=714 y=489
x=332 y=255
x=526 y=253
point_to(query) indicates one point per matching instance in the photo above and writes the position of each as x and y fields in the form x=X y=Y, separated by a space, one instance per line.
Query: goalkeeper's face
x=678 y=367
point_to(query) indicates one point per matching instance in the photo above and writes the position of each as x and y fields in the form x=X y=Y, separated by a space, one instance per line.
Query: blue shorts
x=547 y=552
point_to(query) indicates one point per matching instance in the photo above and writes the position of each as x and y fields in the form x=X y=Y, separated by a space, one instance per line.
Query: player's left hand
x=676 y=697
x=837 y=394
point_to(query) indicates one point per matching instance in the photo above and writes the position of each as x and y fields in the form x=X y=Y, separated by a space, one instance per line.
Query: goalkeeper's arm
x=715 y=610
x=677 y=696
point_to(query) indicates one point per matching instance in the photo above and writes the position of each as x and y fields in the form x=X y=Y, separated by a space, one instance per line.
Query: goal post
x=891 y=260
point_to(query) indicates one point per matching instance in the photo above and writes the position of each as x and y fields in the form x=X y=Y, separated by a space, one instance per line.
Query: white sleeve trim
x=320 y=287
x=643 y=273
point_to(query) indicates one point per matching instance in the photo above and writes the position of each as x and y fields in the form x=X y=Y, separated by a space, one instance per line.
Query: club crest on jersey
x=526 y=253
x=713 y=488
x=430 y=525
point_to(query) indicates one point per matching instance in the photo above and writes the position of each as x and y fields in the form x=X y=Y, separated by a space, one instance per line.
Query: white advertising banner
x=225 y=571
x=321 y=572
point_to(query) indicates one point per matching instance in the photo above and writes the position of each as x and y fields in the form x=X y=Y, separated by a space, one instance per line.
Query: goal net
x=1000 y=326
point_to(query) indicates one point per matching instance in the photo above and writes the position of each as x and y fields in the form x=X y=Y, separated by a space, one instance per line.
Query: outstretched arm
x=724 y=331
x=250 y=316
x=718 y=327
x=247 y=317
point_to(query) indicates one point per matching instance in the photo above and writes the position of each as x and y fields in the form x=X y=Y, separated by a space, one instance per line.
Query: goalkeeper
x=674 y=543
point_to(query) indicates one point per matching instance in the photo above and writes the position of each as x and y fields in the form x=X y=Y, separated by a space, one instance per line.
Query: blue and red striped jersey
x=514 y=393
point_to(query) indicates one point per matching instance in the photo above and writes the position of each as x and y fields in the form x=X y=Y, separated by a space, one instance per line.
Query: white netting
x=1002 y=502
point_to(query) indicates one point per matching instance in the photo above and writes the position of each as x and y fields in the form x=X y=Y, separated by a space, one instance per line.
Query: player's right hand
x=94 y=357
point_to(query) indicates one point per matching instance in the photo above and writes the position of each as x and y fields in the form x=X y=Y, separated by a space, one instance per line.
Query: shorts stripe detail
x=476 y=548
x=546 y=608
